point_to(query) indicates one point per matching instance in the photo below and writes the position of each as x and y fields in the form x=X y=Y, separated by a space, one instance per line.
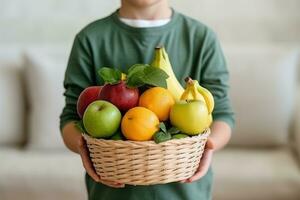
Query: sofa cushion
x=12 y=103
x=249 y=174
x=263 y=84
x=41 y=175
x=44 y=74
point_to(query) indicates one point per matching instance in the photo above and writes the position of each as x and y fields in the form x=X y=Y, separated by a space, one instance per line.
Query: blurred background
x=261 y=41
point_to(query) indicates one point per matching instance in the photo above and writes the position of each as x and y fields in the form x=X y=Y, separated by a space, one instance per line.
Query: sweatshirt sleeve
x=79 y=75
x=215 y=77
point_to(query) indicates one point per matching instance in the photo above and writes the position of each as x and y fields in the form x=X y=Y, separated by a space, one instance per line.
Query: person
x=129 y=36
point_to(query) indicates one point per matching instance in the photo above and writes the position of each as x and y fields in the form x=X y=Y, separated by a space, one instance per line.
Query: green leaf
x=161 y=137
x=136 y=67
x=155 y=77
x=173 y=130
x=179 y=136
x=117 y=136
x=79 y=125
x=135 y=80
x=110 y=75
x=135 y=75
x=162 y=127
x=143 y=74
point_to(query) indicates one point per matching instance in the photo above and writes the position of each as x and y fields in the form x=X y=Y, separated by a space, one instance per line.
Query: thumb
x=209 y=144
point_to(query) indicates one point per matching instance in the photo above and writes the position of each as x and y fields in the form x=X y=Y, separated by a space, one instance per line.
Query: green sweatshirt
x=193 y=51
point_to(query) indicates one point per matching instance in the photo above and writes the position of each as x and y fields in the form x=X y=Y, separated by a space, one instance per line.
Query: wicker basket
x=146 y=163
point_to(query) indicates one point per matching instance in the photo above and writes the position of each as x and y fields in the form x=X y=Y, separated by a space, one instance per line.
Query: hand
x=87 y=163
x=204 y=163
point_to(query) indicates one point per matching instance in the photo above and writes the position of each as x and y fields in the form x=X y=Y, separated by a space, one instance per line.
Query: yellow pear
x=190 y=117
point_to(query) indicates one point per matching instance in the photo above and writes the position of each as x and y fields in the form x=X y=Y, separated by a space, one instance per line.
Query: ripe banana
x=161 y=60
x=194 y=91
x=209 y=99
x=191 y=92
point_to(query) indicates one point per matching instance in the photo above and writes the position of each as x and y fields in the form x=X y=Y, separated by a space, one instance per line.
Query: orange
x=159 y=100
x=139 y=124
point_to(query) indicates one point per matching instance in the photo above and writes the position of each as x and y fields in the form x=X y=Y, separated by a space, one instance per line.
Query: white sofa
x=261 y=161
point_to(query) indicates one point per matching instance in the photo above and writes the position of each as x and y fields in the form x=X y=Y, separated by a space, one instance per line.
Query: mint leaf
x=155 y=76
x=173 y=130
x=161 y=137
x=136 y=67
x=110 y=75
x=136 y=80
x=162 y=127
x=117 y=136
x=136 y=75
x=143 y=74
x=179 y=136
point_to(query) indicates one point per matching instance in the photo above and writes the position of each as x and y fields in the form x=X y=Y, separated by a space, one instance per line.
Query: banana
x=191 y=91
x=194 y=91
x=209 y=99
x=161 y=60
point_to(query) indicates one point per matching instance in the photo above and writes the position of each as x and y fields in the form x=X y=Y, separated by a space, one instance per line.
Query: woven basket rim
x=200 y=136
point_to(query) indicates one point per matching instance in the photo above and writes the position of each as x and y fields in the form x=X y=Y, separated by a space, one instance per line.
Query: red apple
x=87 y=96
x=120 y=95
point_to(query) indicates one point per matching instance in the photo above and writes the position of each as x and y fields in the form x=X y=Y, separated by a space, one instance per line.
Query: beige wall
x=235 y=21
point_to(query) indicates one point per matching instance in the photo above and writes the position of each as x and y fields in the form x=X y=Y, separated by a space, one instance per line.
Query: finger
x=89 y=169
x=203 y=166
x=197 y=176
x=209 y=144
x=201 y=170
x=87 y=163
x=84 y=153
x=112 y=184
x=183 y=181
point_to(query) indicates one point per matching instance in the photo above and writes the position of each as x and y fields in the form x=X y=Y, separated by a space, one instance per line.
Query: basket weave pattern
x=146 y=163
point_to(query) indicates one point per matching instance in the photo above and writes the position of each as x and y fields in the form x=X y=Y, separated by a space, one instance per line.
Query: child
x=129 y=36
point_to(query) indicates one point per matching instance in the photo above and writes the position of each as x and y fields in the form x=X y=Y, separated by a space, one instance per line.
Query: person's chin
x=143 y=3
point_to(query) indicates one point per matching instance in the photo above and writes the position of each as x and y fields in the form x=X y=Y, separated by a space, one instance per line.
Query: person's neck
x=156 y=11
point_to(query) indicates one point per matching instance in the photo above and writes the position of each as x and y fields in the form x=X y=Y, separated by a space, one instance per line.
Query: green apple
x=190 y=117
x=101 y=119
